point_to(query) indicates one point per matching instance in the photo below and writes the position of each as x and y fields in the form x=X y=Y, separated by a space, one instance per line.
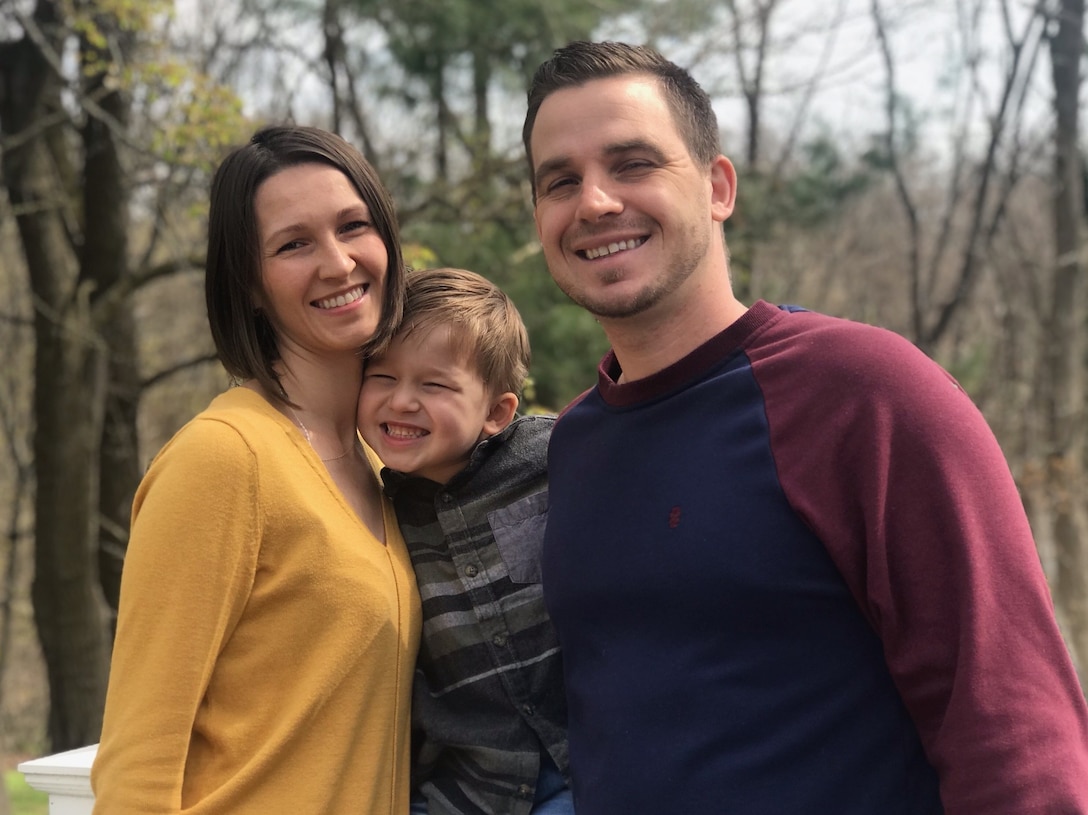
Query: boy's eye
x=386 y=377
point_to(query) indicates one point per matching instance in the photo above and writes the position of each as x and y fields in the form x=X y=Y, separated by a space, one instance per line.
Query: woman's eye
x=289 y=246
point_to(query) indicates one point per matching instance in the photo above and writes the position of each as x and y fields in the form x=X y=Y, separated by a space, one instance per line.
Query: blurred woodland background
x=916 y=164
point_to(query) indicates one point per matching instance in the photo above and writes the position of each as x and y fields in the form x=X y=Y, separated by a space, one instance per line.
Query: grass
x=24 y=799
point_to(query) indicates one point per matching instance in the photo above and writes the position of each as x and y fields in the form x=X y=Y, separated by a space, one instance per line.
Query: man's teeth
x=341 y=299
x=612 y=248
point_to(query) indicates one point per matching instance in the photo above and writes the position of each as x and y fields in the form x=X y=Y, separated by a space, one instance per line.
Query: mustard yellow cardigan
x=266 y=640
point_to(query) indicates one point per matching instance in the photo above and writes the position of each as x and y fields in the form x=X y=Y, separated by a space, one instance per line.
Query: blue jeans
x=552 y=795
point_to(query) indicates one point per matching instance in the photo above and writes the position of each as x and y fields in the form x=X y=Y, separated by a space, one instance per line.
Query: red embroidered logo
x=674 y=517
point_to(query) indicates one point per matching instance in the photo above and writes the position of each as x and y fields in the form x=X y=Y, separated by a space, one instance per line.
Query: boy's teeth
x=404 y=432
x=341 y=299
x=612 y=248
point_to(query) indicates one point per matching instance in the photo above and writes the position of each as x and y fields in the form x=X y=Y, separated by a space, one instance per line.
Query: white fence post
x=66 y=778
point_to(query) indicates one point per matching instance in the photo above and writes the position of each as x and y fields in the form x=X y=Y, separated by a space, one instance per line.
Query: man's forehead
x=601 y=121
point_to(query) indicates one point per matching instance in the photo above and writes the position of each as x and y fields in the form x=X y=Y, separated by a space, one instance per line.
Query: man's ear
x=501 y=413
x=723 y=188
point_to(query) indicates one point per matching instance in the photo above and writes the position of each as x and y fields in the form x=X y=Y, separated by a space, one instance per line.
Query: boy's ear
x=501 y=414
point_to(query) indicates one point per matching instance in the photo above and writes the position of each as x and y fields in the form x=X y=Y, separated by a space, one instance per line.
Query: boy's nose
x=404 y=398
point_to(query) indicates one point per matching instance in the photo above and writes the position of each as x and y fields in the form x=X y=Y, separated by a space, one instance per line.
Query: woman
x=269 y=616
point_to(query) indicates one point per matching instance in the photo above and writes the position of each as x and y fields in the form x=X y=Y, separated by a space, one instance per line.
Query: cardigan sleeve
x=191 y=560
x=896 y=471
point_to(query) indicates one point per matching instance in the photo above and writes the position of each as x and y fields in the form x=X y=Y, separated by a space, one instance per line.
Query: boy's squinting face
x=423 y=407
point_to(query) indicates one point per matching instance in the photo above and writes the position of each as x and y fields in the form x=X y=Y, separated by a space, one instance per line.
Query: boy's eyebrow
x=559 y=163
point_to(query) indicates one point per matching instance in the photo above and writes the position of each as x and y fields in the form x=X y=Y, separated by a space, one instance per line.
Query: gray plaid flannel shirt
x=488 y=696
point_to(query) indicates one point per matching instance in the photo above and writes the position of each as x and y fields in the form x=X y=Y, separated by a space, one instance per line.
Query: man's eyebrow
x=546 y=168
x=634 y=146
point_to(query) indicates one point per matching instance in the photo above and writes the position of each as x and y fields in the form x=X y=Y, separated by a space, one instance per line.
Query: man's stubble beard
x=682 y=268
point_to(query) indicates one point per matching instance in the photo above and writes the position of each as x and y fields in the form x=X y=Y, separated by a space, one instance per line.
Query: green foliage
x=97 y=23
x=193 y=116
x=805 y=196
x=906 y=138
x=196 y=118
x=424 y=35
x=972 y=365
x=567 y=345
x=24 y=799
x=676 y=19
x=822 y=184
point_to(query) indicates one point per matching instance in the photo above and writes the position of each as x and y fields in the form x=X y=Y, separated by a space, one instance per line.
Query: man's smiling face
x=623 y=212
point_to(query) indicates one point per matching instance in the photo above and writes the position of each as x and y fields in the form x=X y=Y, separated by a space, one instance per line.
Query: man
x=787 y=562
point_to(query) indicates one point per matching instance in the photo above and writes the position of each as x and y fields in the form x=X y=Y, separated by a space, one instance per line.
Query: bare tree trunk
x=69 y=369
x=9 y=580
x=751 y=77
x=1064 y=338
x=104 y=263
x=443 y=119
x=70 y=379
x=481 y=81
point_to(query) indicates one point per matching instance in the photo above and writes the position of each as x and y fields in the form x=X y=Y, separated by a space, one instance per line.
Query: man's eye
x=559 y=183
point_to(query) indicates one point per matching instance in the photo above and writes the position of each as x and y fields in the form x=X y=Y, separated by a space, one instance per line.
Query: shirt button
x=525 y=790
x=446 y=498
x=528 y=710
x=471 y=571
x=499 y=640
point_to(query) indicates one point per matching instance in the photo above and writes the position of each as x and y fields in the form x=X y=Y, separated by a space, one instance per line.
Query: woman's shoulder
x=235 y=427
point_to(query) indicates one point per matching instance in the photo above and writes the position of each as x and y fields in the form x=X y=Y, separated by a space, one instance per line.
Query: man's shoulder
x=832 y=351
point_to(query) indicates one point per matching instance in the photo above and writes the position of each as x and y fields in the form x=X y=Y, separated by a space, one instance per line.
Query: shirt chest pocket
x=519 y=535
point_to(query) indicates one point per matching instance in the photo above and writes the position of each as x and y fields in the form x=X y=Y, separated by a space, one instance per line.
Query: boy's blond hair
x=484 y=323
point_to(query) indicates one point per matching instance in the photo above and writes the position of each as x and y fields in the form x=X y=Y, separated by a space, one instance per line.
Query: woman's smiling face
x=323 y=265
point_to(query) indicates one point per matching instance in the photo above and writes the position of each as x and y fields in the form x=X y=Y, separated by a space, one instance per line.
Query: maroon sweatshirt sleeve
x=896 y=471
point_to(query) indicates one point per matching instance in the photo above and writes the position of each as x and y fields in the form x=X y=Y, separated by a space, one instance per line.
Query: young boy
x=469 y=483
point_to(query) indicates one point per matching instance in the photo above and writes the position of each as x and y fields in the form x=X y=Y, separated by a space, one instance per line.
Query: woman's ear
x=501 y=413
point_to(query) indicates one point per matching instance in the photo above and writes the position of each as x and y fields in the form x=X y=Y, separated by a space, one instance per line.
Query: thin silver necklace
x=310 y=437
